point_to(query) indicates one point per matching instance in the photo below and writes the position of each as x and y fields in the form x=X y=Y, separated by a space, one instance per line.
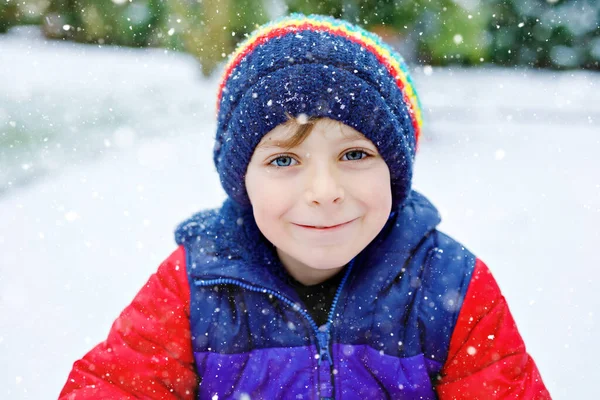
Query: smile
x=325 y=228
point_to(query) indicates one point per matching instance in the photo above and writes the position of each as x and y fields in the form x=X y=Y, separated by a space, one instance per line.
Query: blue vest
x=389 y=327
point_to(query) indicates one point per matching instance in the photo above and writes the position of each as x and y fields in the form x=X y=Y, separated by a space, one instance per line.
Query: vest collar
x=226 y=243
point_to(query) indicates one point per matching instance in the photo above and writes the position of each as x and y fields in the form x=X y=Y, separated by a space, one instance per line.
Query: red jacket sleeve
x=487 y=357
x=148 y=352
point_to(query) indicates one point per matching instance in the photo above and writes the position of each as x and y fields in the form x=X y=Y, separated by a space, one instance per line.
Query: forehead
x=329 y=129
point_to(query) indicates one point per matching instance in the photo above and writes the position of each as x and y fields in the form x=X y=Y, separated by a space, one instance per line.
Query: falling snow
x=521 y=192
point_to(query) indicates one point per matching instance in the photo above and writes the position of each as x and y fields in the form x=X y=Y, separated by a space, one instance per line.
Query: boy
x=323 y=274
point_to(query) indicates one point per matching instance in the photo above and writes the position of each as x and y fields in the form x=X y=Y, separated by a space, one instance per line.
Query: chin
x=326 y=262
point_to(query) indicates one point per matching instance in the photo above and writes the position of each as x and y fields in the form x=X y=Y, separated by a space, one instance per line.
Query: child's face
x=321 y=202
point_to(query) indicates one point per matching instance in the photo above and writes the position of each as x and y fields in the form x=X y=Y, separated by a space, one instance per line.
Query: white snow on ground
x=509 y=157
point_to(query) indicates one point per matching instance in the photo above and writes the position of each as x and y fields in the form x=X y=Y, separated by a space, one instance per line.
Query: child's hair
x=301 y=127
x=310 y=67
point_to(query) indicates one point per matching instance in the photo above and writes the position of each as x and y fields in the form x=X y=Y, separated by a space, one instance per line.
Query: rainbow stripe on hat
x=294 y=23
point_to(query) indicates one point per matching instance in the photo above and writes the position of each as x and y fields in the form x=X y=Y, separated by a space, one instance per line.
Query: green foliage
x=452 y=34
x=537 y=33
x=329 y=7
x=542 y=33
x=127 y=23
x=210 y=29
x=446 y=32
x=8 y=11
x=367 y=13
x=207 y=29
x=13 y=12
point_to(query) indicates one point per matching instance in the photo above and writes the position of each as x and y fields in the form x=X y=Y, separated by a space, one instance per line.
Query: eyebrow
x=352 y=136
x=276 y=144
x=269 y=145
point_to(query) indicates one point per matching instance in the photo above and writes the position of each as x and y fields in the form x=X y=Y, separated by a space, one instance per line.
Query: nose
x=324 y=186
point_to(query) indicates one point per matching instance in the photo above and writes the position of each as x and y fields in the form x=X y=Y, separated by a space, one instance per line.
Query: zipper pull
x=323 y=341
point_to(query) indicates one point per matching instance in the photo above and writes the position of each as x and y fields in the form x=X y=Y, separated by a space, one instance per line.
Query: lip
x=326 y=228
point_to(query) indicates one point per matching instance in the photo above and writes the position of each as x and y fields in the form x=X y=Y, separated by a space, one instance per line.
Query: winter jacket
x=416 y=316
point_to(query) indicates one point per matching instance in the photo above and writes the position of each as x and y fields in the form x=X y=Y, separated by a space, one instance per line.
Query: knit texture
x=320 y=67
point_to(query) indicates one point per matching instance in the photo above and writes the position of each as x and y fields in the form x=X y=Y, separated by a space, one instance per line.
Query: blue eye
x=288 y=161
x=282 y=161
x=354 y=155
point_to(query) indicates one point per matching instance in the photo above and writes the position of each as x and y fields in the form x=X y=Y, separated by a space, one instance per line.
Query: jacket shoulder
x=203 y=223
x=446 y=268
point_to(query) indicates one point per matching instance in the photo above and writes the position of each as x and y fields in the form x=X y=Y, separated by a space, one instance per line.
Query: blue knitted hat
x=321 y=67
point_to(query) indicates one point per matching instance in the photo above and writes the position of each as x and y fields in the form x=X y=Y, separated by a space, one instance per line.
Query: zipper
x=322 y=333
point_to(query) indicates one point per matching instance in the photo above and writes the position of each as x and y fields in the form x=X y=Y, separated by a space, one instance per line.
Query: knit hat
x=320 y=67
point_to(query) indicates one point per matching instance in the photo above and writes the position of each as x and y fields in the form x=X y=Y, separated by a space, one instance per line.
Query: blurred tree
x=210 y=29
x=444 y=31
x=122 y=22
x=545 y=33
x=334 y=8
x=452 y=33
x=8 y=15
x=13 y=12
x=535 y=33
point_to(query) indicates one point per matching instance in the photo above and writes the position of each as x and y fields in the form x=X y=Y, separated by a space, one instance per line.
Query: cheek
x=270 y=198
x=374 y=189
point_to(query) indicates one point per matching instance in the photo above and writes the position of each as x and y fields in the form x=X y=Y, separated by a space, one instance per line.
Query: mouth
x=326 y=227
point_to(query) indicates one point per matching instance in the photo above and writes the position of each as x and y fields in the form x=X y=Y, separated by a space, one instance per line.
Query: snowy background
x=104 y=150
